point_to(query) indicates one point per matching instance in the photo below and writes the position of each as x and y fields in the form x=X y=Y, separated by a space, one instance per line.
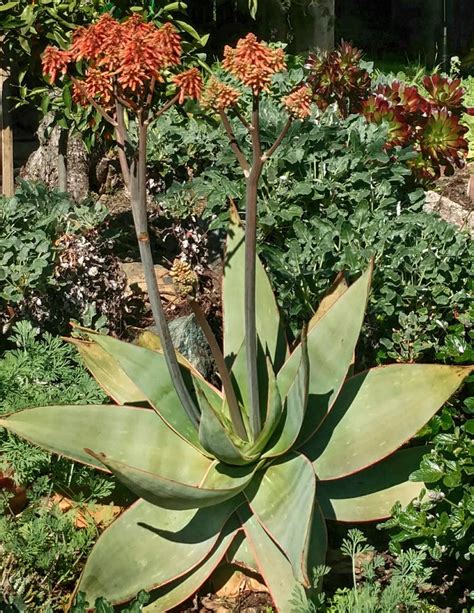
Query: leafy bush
x=468 y=84
x=442 y=523
x=41 y=370
x=53 y=266
x=329 y=201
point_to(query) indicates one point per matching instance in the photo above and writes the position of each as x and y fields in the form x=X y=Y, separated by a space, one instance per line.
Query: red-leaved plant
x=429 y=122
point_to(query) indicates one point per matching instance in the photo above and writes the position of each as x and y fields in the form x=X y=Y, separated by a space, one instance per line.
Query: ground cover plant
x=42 y=548
x=250 y=447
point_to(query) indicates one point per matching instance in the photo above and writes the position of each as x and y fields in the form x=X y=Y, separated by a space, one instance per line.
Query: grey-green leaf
x=166 y=545
x=376 y=412
x=269 y=328
x=133 y=435
x=220 y=483
x=331 y=344
x=272 y=564
x=370 y=494
x=282 y=498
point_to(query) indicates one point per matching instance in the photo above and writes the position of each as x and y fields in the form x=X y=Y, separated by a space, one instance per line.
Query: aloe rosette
x=328 y=449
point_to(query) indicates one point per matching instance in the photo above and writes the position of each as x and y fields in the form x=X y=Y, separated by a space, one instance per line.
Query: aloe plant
x=329 y=447
x=249 y=473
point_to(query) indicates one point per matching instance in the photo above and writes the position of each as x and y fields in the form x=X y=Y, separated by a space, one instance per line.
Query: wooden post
x=6 y=132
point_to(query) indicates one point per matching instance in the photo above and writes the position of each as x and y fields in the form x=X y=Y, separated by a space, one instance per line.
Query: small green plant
x=42 y=553
x=42 y=369
x=42 y=549
x=369 y=593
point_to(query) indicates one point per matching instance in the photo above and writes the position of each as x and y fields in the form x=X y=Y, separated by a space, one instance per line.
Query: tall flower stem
x=138 y=202
x=250 y=269
x=122 y=143
x=234 y=410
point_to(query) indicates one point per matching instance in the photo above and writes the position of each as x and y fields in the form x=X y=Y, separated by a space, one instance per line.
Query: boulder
x=190 y=341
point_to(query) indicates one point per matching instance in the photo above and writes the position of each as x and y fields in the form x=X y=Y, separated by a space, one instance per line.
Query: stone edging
x=450 y=211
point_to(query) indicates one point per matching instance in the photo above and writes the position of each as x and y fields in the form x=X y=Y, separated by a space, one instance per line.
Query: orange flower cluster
x=54 y=62
x=298 y=103
x=219 y=96
x=253 y=63
x=128 y=57
x=189 y=84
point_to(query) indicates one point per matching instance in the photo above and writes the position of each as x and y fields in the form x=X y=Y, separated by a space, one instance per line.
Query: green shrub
x=41 y=370
x=468 y=84
x=330 y=201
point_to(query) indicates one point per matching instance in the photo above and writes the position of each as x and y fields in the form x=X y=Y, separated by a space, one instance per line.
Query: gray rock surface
x=189 y=340
x=450 y=211
x=42 y=165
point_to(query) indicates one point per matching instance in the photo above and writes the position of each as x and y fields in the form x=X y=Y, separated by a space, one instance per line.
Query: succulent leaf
x=330 y=297
x=331 y=344
x=377 y=412
x=282 y=499
x=219 y=484
x=269 y=329
x=166 y=546
x=150 y=374
x=108 y=374
x=239 y=553
x=318 y=543
x=133 y=435
x=273 y=413
x=370 y=494
x=217 y=438
x=181 y=589
x=271 y=562
x=291 y=421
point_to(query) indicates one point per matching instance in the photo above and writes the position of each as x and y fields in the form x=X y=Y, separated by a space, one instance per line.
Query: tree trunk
x=313 y=25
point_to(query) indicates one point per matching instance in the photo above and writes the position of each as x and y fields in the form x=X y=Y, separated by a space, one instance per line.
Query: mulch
x=455 y=187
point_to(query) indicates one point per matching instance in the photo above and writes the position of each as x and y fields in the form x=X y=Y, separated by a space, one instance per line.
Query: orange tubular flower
x=218 y=96
x=298 y=103
x=253 y=63
x=55 y=61
x=168 y=41
x=126 y=58
x=189 y=84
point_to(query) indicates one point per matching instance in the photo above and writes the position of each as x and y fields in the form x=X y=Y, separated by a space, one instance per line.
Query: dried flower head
x=184 y=278
x=189 y=84
x=253 y=62
x=218 y=96
x=298 y=103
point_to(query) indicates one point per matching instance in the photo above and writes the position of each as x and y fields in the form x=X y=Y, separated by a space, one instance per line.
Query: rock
x=190 y=341
x=450 y=211
x=136 y=278
x=42 y=165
